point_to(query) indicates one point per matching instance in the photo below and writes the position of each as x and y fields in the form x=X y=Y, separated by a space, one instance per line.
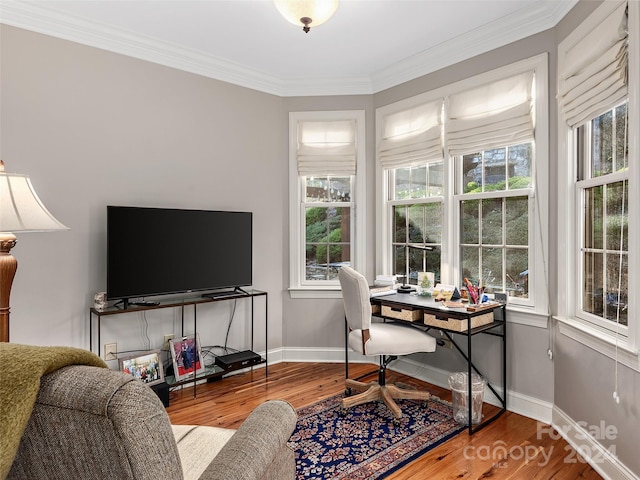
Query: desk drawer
x=408 y=314
x=457 y=324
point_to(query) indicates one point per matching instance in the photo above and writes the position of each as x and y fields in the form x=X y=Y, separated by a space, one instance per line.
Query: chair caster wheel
x=348 y=392
x=396 y=422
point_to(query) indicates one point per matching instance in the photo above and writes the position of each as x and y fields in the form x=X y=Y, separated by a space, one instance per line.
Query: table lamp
x=20 y=211
x=405 y=287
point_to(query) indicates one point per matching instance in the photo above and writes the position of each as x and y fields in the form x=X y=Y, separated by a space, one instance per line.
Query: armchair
x=91 y=422
x=386 y=340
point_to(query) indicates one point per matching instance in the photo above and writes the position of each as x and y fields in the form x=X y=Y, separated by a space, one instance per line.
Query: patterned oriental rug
x=365 y=444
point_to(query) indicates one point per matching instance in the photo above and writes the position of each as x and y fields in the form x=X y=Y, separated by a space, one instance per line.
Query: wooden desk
x=404 y=302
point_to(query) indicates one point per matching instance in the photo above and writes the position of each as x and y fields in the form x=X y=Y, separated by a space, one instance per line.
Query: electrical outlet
x=167 y=337
x=110 y=351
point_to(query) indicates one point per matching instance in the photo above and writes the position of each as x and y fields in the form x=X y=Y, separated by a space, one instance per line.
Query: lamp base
x=8 y=267
x=406 y=289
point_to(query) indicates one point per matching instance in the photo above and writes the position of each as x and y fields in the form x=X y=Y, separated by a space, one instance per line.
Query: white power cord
x=616 y=396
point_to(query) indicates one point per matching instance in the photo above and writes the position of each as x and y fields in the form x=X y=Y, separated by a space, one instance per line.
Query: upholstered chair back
x=357 y=307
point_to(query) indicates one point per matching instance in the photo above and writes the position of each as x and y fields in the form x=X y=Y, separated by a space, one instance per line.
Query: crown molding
x=310 y=87
x=49 y=22
x=509 y=29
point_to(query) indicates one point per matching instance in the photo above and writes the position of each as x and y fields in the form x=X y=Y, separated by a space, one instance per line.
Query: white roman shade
x=491 y=116
x=593 y=73
x=412 y=136
x=326 y=148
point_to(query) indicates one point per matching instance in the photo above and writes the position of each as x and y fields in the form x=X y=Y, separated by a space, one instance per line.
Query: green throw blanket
x=21 y=367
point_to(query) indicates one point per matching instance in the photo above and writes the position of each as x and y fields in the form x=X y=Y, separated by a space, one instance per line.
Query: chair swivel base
x=373 y=391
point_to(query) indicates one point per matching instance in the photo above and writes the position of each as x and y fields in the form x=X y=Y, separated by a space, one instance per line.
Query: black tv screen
x=159 y=251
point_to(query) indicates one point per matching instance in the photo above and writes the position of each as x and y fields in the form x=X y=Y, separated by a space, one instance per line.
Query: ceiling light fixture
x=306 y=12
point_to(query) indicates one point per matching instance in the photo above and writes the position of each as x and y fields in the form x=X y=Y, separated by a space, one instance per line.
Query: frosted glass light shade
x=20 y=208
x=296 y=11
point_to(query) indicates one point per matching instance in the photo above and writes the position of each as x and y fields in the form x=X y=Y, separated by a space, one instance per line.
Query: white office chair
x=388 y=340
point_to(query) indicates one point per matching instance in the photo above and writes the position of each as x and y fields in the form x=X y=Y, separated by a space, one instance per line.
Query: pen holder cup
x=480 y=297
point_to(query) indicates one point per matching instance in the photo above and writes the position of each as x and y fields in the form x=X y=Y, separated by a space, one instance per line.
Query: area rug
x=365 y=444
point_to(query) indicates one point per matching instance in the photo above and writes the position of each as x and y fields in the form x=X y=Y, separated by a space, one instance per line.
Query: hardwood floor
x=513 y=447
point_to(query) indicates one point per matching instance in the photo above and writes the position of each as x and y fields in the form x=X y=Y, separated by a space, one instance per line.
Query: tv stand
x=211 y=372
x=236 y=292
x=126 y=303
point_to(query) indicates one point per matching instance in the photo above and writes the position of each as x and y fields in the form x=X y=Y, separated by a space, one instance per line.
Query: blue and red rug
x=365 y=444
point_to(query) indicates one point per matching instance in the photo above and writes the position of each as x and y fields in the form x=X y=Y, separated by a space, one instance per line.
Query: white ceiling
x=367 y=46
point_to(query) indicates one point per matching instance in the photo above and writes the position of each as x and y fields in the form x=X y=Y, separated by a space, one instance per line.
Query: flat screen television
x=161 y=251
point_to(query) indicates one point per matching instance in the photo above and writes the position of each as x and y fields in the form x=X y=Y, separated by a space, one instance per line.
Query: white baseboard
x=602 y=459
x=519 y=403
x=516 y=402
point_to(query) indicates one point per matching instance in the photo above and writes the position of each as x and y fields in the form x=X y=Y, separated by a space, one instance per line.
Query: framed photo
x=146 y=367
x=186 y=354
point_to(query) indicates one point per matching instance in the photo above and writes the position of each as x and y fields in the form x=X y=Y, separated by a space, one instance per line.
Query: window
x=494 y=213
x=463 y=170
x=411 y=157
x=327 y=174
x=327 y=228
x=416 y=203
x=599 y=214
x=603 y=187
x=490 y=130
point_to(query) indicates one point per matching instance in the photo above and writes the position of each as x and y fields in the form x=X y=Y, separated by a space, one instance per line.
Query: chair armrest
x=258 y=445
x=91 y=422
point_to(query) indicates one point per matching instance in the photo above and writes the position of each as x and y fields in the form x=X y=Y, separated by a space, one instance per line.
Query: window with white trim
x=470 y=184
x=602 y=189
x=494 y=210
x=490 y=132
x=411 y=156
x=598 y=108
x=326 y=161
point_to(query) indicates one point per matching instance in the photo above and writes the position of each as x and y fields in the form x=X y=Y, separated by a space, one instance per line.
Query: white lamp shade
x=20 y=208
x=319 y=11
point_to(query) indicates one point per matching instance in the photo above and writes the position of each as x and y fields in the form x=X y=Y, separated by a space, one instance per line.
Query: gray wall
x=584 y=384
x=583 y=378
x=309 y=323
x=93 y=128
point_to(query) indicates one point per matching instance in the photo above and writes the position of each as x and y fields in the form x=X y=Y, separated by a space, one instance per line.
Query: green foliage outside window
x=327 y=239
x=514 y=183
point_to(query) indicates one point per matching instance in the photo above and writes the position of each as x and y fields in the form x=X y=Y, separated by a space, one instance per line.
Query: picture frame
x=186 y=354
x=146 y=367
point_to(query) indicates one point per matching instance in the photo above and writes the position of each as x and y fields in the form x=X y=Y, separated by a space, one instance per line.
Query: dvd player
x=236 y=361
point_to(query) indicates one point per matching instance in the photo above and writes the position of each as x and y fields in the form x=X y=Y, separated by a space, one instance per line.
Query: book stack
x=383 y=285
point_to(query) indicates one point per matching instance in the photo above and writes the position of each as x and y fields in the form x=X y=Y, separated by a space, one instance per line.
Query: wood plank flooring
x=513 y=447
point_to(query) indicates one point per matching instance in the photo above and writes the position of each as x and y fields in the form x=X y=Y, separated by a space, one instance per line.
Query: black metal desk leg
x=470 y=383
x=504 y=358
x=346 y=348
x=99 y=329
x=266 y=335
x=195 y=330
